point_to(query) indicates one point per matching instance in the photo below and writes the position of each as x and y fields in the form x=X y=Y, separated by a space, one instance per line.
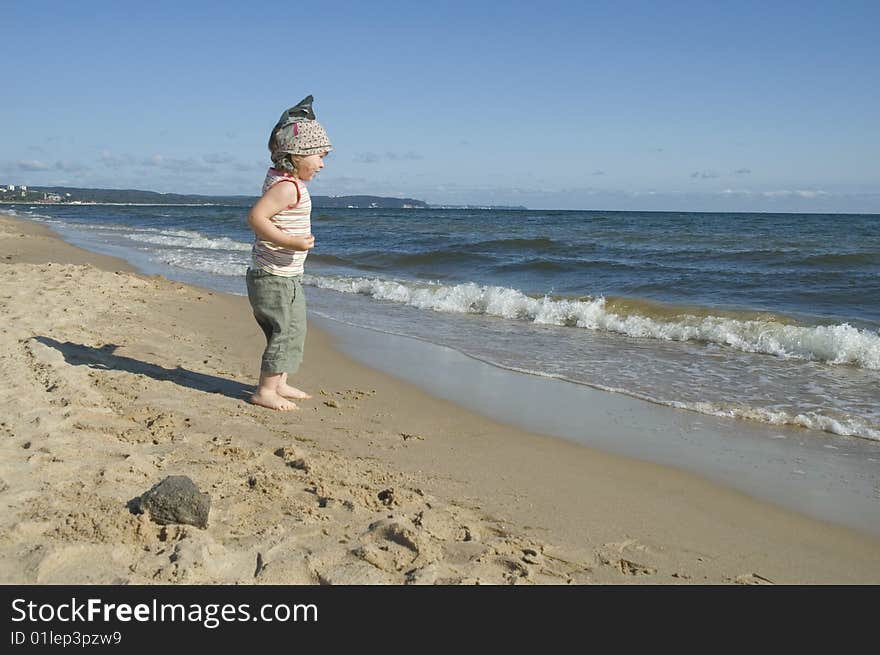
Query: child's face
x=308 y=166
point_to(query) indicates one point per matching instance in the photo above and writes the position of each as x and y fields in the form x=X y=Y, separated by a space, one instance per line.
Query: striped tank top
x=294 y=220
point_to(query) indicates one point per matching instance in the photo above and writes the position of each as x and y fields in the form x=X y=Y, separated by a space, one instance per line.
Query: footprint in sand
x=293 y=459
x=610 y=555
x=753 y=579
x=154 y=426
x=392 y=545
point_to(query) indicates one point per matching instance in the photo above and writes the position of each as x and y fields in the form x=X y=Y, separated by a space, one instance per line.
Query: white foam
x=157 y=236
x=31 y=214
x=846 y=426
x=188 y=239
x=831 y=344
x=229 y=264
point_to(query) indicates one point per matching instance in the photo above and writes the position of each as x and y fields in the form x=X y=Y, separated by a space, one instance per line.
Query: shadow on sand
x=104 y=358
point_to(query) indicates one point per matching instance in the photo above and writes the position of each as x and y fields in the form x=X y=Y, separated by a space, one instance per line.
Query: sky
x=668 y=106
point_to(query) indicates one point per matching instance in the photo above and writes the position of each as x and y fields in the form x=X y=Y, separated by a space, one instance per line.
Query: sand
x=112 y=380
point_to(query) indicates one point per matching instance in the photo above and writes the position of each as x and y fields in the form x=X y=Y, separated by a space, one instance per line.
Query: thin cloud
x=778 y=193
x=175 y=164
x=598 y=172
x=218 y=158
x=346 y=179
x=71 y=166
x=110 y=160
x=155 y=160
x=33 y=165
x=409 y=155
x=346 y=185
x=372 y=157
x=366 y=157
x=795 y=193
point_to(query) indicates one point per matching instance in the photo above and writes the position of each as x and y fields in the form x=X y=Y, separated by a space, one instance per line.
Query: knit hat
x=297 y=133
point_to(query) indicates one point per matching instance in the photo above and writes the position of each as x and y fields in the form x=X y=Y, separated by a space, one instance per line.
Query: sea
x=773 y=318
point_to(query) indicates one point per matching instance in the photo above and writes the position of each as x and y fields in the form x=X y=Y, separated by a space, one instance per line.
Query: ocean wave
x=227 y=264
x=516 y=244
x=856 y=259
x=329 y=260
x=847 y=426
x=830 y=344
x=538 y=264
x=188 y=239
x=429 y=258
x=30 y=213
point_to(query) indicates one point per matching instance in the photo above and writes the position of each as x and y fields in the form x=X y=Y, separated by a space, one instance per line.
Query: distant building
x=23 y=188
x=11 y=187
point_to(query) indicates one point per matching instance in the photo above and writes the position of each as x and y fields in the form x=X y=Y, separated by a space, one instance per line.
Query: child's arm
x=276 y=199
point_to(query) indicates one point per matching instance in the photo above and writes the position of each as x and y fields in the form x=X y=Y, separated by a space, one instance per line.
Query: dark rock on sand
x=174 y=500
x=386 y=496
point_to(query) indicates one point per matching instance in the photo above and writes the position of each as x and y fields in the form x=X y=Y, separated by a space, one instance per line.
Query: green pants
x=279 y=306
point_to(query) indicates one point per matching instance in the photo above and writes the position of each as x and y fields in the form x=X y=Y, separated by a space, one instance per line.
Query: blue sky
x=728 y=106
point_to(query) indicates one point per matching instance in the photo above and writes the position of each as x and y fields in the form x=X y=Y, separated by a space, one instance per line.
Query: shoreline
x=782 y=465
x=610 y=518
x=823 y=475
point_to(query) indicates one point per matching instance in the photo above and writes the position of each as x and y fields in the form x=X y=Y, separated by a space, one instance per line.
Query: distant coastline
x=316 y=201
x=40 y=195
x=110 y=204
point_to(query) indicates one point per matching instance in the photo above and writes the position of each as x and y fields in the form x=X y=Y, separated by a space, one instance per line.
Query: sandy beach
x=112 y=380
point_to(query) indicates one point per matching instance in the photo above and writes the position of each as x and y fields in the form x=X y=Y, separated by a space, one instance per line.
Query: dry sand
x=111 y=381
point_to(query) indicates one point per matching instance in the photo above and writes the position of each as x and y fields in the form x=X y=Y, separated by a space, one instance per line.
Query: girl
x=281 y=221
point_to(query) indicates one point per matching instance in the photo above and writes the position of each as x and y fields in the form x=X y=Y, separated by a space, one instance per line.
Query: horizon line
x=471 y=206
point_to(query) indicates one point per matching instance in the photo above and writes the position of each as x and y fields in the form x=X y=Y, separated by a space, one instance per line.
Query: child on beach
x=281 y=221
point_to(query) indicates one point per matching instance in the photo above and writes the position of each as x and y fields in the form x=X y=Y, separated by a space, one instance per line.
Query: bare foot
x=272 y=400
x=287 y=391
